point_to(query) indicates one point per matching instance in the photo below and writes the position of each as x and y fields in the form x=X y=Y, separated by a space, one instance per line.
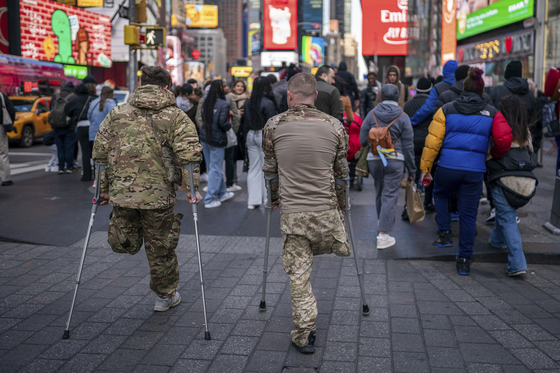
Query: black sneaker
x=404 y=214
x=429 y=208
x=463 y=266
x=306 y=350
x=445 y=239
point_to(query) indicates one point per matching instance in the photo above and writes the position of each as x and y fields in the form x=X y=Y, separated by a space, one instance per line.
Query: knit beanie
x=514 y=69
x=390 y=92
x=474 y=81
x=424 y=85
x=461 y=72
x=89 y=79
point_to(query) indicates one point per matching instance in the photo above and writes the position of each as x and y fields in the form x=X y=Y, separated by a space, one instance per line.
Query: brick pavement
x=424 y=317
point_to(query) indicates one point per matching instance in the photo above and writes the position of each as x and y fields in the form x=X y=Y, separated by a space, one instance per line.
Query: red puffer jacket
x=353 y=130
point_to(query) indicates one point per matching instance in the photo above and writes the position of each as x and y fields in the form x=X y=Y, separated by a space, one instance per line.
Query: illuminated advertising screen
x=484 y=15
x=254 y=27
x=312 y=15
x=280 y=24
x=4 y=45
x=64 y=34
x=313 y=50
x=201 y=16
x=448 y=31
x=384 y=27
x=90 y=3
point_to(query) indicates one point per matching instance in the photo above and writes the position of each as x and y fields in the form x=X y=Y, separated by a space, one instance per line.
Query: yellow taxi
x=31 y=119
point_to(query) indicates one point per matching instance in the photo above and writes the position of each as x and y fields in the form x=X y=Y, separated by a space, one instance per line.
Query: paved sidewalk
x=424 y=317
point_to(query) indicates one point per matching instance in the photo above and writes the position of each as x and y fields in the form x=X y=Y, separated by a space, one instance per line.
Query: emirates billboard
x=384 y=27
x=280 y=24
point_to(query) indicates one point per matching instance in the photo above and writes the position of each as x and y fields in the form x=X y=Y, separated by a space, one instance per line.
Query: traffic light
x=131 y=35
x=155 y=36
x=141 y=14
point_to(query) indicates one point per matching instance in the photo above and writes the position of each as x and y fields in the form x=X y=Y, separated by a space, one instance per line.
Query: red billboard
x=384 y=27
x=64 y=34
x=448 y=31
x=280 y=24
x=4 y=46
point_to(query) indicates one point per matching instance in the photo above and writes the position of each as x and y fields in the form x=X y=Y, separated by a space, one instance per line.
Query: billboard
x=201 y=16
x=313 y=50
x=384 y=27
x=64 y=34
x=4 y=45
x=254 y=44
x=312 y=15
x=484 y=15
x=280 y=24
x=90 y=3
x=173 y=59
x=448 y=31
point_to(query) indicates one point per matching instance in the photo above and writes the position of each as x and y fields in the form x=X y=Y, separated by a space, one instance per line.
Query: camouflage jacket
x=136 y=175
x=307 y=149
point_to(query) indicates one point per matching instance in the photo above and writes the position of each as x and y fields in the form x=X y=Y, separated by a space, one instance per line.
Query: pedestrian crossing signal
x=155 y=37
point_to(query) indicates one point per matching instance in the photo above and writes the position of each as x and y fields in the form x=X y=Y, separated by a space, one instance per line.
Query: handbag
x=171 y=162
x=414 y=206
x=231 y=138
x=6 y=119
x=362 y=168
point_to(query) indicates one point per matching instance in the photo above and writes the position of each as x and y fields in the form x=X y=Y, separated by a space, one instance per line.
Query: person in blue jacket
x=428 y=108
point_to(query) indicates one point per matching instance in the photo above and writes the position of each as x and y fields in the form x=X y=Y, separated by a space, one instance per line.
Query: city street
x=424 y=317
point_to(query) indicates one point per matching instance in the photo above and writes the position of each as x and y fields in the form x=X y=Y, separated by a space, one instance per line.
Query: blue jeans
x=214 y=157
x=506 y=233
x=468 y=185
x=65 y=141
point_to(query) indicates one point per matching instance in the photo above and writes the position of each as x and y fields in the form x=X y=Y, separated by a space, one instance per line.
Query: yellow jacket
x=434 y=140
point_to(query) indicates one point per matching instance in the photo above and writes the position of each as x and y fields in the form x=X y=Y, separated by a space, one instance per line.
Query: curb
x=532 y=258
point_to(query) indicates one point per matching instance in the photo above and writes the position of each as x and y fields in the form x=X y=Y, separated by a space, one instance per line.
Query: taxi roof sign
x=241 y=71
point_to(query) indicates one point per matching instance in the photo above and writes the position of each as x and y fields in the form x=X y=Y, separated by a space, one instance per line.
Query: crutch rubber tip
x=262 y=306
x=66 y=334
x=207 y=336
x=365 y=310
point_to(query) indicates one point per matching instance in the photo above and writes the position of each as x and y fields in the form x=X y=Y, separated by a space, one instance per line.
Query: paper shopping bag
x=414 y=206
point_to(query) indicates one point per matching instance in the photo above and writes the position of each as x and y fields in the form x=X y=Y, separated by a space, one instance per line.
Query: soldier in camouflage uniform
x=135 y=181
x=306 y=149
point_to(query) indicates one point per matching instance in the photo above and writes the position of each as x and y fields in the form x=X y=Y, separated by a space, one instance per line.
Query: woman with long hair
x=215 y=113
x=504 y=176
x=259 y=108
x=237 y=96
x=98 y=110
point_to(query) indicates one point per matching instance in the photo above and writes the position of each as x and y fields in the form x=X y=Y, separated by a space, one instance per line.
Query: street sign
x=123 y=12
x=196 y=54
x=155 y=36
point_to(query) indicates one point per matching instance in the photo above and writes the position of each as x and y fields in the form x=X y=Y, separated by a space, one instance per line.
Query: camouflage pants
x=159 y=230
x=305 y=234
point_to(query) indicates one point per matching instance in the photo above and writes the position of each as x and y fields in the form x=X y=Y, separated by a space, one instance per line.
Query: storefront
x=552 y=35
x=424 y=38
x=493 y=54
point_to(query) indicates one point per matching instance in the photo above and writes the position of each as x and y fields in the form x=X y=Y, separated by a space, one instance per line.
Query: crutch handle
x=346 y=182
x=190 y=169
x=267 y=181
x=99 y=167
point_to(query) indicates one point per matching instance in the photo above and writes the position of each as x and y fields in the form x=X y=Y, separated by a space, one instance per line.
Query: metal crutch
x=99 y=167
x=190 y=168
x=346 y=181
x=269 y=208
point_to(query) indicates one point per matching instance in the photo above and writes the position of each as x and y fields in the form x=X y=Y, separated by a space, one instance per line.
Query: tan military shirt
x=307 y=149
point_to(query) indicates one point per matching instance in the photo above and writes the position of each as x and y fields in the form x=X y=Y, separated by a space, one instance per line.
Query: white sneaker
x=205 y=189
x=54 y=168
x=48 y=169
x=492 y=217
x=204 y=178
x=215 y=203
x=253 y=207
x=385 y=242
x=226 y=196
x=234 y=188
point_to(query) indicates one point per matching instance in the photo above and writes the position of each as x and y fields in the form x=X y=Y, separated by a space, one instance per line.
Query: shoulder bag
x=170 y=160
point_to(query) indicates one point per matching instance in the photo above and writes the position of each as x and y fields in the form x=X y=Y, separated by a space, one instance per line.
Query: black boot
x=306 y=350
x=463 y=266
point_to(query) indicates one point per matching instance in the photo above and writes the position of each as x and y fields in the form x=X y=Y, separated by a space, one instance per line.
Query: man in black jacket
x=351 y=86
x=5 y=175
x=369 y=94
x=452 y=93
x=328 y=98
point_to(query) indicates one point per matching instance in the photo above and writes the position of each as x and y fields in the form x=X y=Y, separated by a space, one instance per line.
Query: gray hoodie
x=385 y=113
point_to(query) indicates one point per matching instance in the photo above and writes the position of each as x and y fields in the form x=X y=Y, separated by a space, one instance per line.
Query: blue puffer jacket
x=428 y=108
x=461 y=130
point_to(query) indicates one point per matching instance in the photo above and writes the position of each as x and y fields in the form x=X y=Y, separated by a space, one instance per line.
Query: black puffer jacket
x=452 y=93
x=220 y=124
x=77 y=105
x=268 y=110
x=519 y=87
x=368 y=97
x=421 y=130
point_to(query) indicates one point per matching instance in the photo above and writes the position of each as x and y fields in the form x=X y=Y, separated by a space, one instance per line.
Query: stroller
x=353 y=130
